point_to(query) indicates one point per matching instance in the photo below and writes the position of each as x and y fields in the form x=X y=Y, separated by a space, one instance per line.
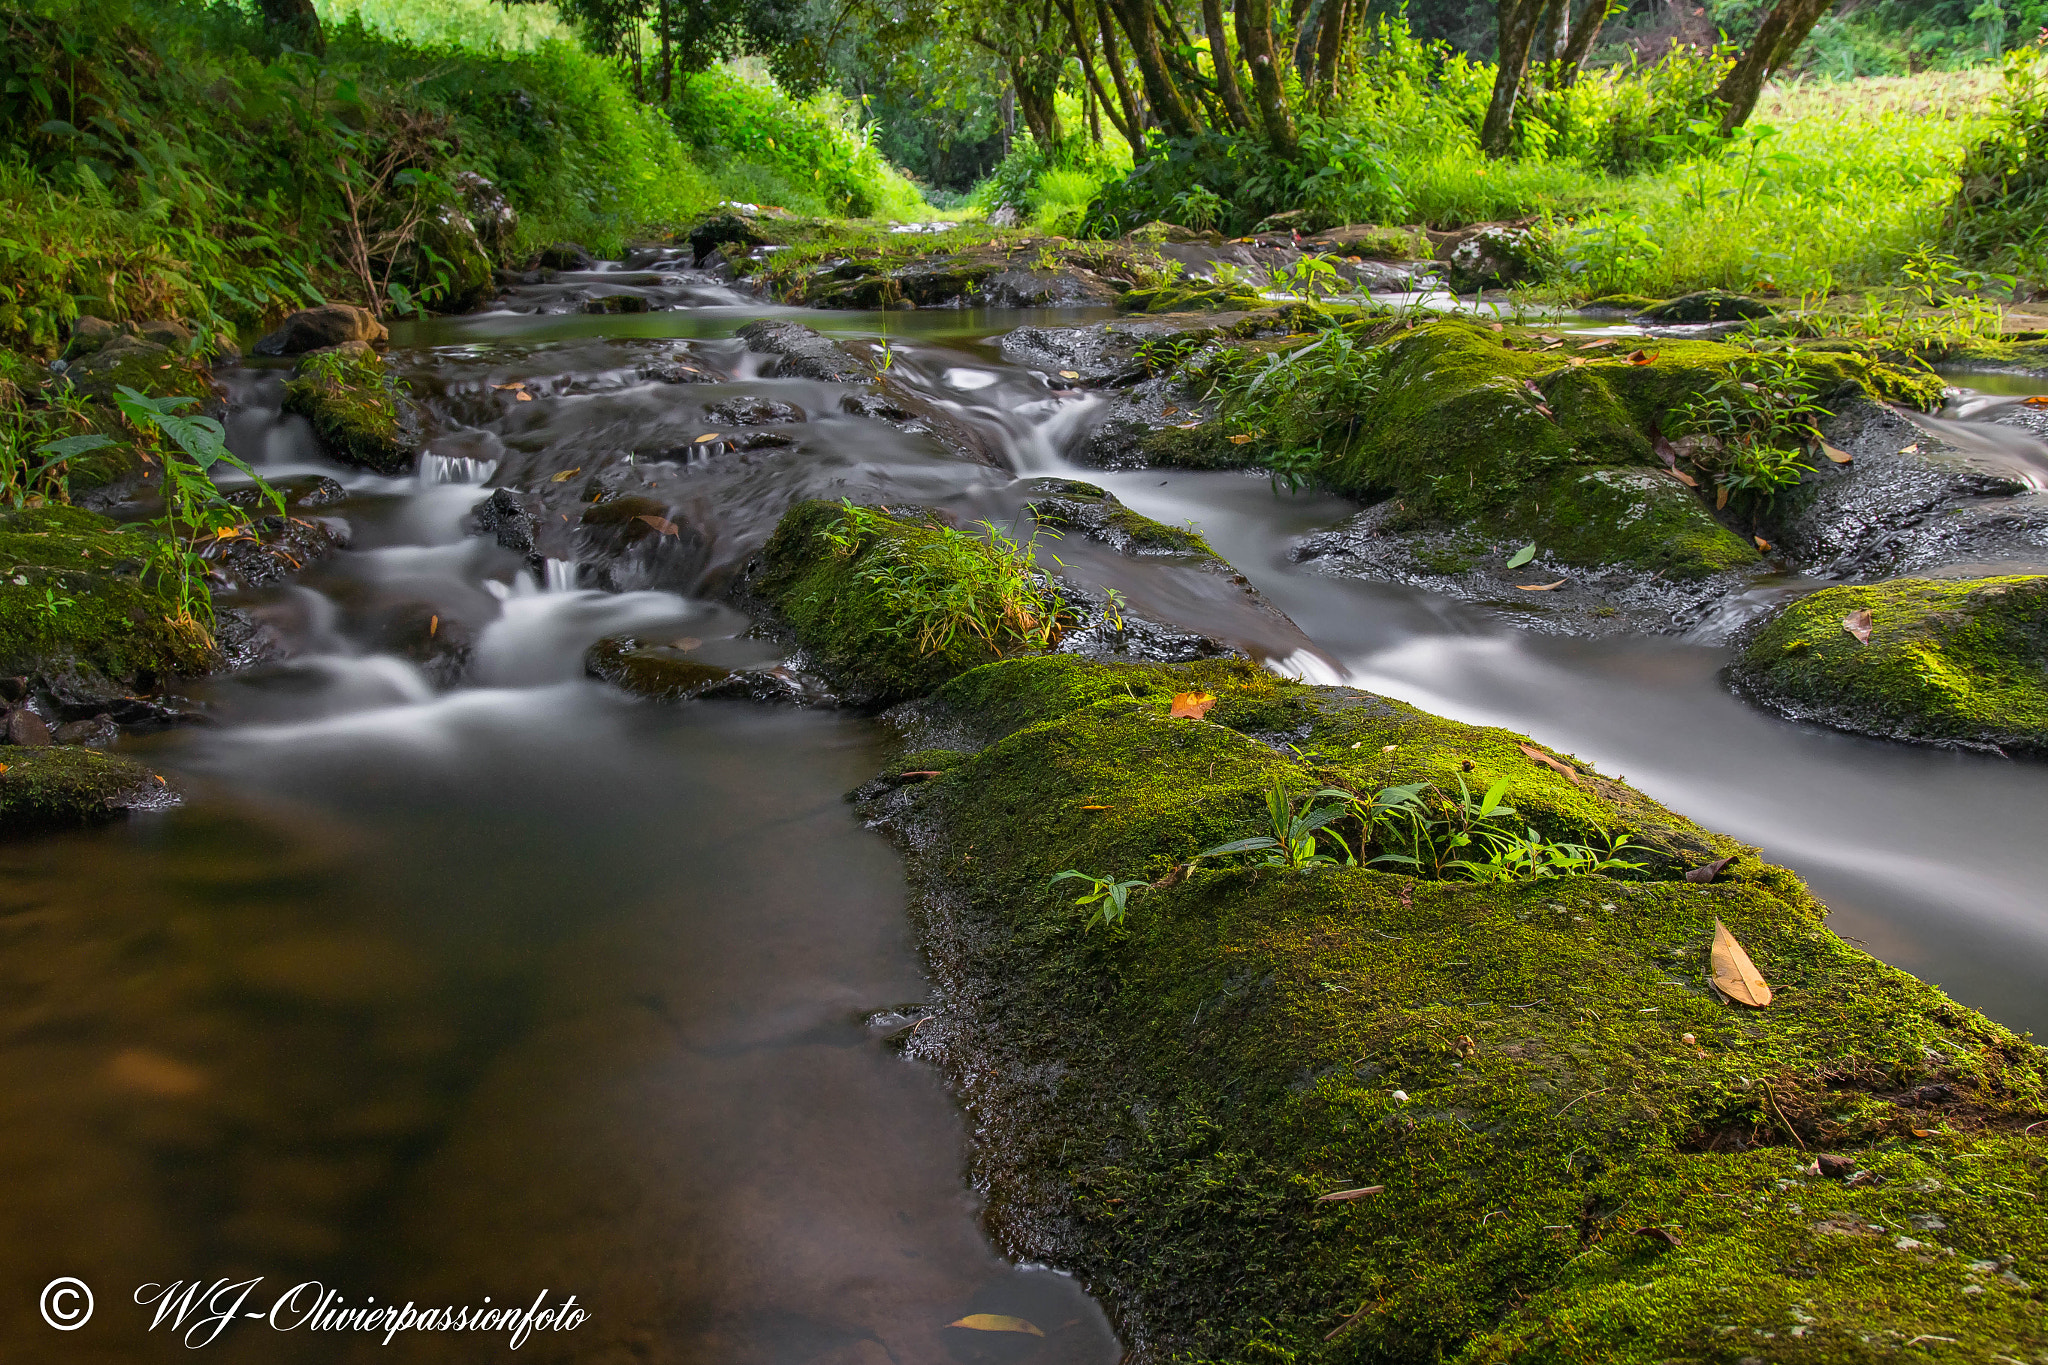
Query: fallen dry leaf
x=920 y=774
x=1735 y=976
x=661 y=524
x=2039 y=400
x=1239 y=440
x=1913 y=449
x=1721 y=497
x=1338 y=1196
x=522 y=397
x=1835 y=453
x=1761 y=543
x=706 y=439
x=515 y=384
x=1921 y=1132
x=1642 y=357
x=566 y=475
x=1706 y=872
x=1191 y=705
x=995 y=1322
x=1070 y=374
x=1168 y=412
x=433 y=626
x=1679 y=474
x=3 y=767
x=1558 y=766
x=1857 y=623
x=1666 y=1234
x=1542 y=587
x=1095 y=808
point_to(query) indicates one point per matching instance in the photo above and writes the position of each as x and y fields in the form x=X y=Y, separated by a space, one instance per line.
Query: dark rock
x=661 y=672
x=299 y=490
x=1836 y=1167
x=59 y=788
x=130 y=362
x=26 y=728
x=505 y=517
x=677 y=370
x=441 y=645
x=1072 y=506
x=311 y=329
x=13 y=690
x=617 y=303
x=176 y=335
x=451 y=268
x=565 y=256
x=727 y=229
x=1708 y=305
x=805 y=354
x=490 y=212
x=88 y=334
x=750 y=411
x=97 y=731
x=1489 y=256
x=281 y=546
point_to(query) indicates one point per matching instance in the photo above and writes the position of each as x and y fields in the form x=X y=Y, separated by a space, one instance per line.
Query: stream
x=514 y=986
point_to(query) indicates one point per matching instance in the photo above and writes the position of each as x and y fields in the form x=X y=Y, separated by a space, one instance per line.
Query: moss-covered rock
x=70 y=788
x=661 y=672
x=1562 y=1145
x=1950 y=661
x=145 y=366
x=1708 y=305
x=81 y=614
x=1070 y=505
x=354 y=407
x=889 y=604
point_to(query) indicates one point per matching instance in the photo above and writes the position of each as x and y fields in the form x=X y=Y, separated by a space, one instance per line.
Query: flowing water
x=436 y=992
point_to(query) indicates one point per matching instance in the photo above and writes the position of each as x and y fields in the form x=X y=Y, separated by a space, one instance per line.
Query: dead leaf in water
x=1542 y=587
x=1706 y=872
x=522 y=397
x=1070 y=374
x=1857 y=623
x=661 y=524
x=706 y=439
x=566 y=475
x=2039 y=400
x=1836 y=453
x=1191 y=705
x=995 y=1322
x=1735 y=976
x=433 y=626
x=1558 y=766
x=1338 y=1196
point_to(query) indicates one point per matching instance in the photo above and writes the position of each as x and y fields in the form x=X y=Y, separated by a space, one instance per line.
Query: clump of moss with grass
x=354 y=407
x=892 y=603
x=54 y=788
x=1947 y=661
x=1550 y=1140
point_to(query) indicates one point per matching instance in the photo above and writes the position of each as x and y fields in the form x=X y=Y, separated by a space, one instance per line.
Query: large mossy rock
x=83 y=616
x=69 y=788
x=1565 y=1147
x=1950 y=661
x=890 y=604
x=356 y=413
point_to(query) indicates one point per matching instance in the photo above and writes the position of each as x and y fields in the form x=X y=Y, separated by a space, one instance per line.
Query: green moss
x=344 y=392
x=57 y=788
x=1084 y=509
x=140 y=365
x=1176 y=1092
x=115 y=628
x=662 y=672
x=892 y=605
x=1952 y=661
x=1634 y=303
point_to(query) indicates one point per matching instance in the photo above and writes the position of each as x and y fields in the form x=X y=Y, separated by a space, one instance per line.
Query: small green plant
x=1610 y=253
x=1295 y=825
x=1109 y=895
x=1758 y=417
x=52 y=606
x=1198 y=207
x=1162 y=355
x=1301 y=405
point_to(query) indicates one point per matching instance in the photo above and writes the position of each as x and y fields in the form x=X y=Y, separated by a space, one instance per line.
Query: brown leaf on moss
x=1642 y=357
x=1708 y=871
x=1191 y=705
x=1338 y=1196
x=1857 y=623
x=1735 y=976
x=1558 y=766
x=1666 y=1234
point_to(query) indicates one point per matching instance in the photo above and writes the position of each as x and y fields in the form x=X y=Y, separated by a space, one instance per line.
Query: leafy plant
x=51 y=606
x=1109 y=895
x=1295 y=824
x=1303 y=404
x=1758 y=416
x=1198 y=207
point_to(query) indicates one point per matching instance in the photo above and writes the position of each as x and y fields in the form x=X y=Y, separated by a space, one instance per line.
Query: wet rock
x=565 y=256
x=1490 y=256
x=94 y=732
x=145 y=366
x=1708 y=305
x=751 y=411
x=506 y=517
x=617 y=303
x=165 y=332
x=660 y=672
x=299 y=490
x=62 y=787
x=313 y=329
x=1961 y=663
x=26 y=728
x=441 y=645
x=681 y=370
x=631 y=543
x=1072 y=506
x=723 y=230
x=276 y=547
x=356 y=411
x=805 y=354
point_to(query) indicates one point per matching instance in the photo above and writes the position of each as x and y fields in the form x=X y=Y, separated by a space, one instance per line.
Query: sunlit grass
x=457 y=23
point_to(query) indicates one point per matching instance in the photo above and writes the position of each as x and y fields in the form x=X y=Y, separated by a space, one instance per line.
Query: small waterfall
x=455 y=469
x=560 y=576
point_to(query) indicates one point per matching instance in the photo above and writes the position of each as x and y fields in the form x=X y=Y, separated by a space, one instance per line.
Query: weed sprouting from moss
x=1109 y=895
x=1302 y=403
x=1758 y=416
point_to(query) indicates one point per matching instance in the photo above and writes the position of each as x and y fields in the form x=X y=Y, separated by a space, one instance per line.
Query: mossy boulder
x=1709 y=305
x=1069 y=505
x=83 y=615
x=1950 y=661
x=1558 y=1144
x=72 y=788
x=354 y=407
x=890 y=604
x=662 y=672
x=146 y=366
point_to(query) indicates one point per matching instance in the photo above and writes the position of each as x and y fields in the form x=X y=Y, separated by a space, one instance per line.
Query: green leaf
x=1522 y=556
x=74 y=445
x=1251 y=845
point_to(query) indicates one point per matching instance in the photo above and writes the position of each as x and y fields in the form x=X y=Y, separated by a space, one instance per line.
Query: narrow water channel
x=434 y=992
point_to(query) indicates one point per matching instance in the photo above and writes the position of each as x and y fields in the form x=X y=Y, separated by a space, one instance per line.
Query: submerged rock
x=1546 y=1136
x=313 y=329
x=354 y=408
x=70 y=788
x=1070 y=505
x=1955 y=662
x=805 y=353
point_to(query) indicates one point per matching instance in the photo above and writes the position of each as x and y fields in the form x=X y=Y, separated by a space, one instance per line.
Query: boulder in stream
x=314 y=329
x=1427 y=1112
x=1961 y=663
x=355 y=409
x=62 y=787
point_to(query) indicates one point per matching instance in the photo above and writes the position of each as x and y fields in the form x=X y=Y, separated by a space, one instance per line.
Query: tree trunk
x=1036 y=101
x=297 y=21
x=1552 y=31
x=1255 y=35
x=1160 y=91
x=1226 y=65
x=1518 y=20
x=1133 y=117
x=1330 y=45
x=668 y=64
x=1585 y=33
x=1777 y=39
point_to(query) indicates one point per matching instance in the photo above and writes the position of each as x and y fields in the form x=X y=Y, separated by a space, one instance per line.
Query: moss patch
x=1087 y=510
x=79 y=612
x=344 y=392
x=1564 y=1177
x=66 y=788
x=1949 y=661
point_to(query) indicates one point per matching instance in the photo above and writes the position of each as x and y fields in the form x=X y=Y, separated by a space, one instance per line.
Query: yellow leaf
x=706 y=439
x=995 y=1322
x=1239 y=440
x=566 y=475
x=1191 y=705
x=1835 y=453
x=1097 y=808
x=433 y=626
x=2039 y=400
x=1857 y=623
x=1642 y=357
x=1542 y=587
x=1070 y=374
x=522 y=397
x=1338 y=1196
x=1761 y=543
x=3 y=767
x=1735 y=976
x=1558 y=766
x=1913 y=449
x=1721 y=497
